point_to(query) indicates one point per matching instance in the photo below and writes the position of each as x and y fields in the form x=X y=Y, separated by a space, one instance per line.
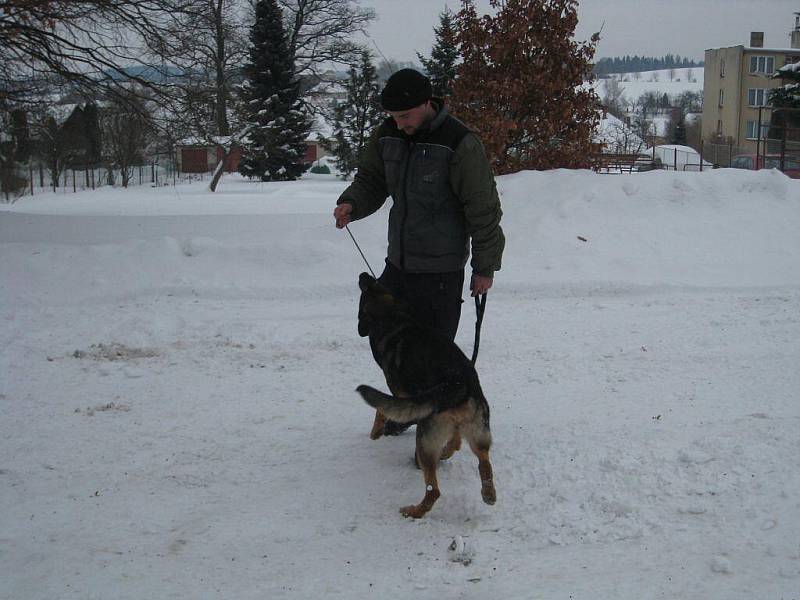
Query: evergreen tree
x=521 y=84
x=274 y=148
x=785 y=101
x=356 y=117
x=441 y=66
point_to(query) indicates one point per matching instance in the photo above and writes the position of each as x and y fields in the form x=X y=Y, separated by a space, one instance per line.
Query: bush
x=321 y=170
x=11 y=184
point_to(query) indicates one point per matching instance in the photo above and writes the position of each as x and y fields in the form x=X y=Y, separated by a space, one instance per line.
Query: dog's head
x=376 y=304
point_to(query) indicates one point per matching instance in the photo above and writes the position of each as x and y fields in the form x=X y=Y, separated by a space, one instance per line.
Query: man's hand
x=343 y=214
x=480 y=284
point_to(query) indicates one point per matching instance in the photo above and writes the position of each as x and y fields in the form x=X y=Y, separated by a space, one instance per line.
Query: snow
x=617 y=136
x=788 y=68
x=655 y=81
x=179 y=417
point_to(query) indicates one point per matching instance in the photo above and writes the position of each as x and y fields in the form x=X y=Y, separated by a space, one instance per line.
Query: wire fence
x=37 y=178
x=777 y=148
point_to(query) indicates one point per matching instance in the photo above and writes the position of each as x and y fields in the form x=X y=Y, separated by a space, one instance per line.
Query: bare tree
x=127 y=131
x=613 y=97
x=621 y=139
x=83 y=44
x=323 y=31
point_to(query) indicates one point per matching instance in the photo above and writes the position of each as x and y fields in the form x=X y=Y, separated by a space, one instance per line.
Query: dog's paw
x=413 y=511
x=488 y=493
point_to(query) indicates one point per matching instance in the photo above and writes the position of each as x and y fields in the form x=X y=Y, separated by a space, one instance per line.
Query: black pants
x=435 y=297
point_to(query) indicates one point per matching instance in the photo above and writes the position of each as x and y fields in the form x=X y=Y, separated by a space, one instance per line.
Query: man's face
x=409 y=121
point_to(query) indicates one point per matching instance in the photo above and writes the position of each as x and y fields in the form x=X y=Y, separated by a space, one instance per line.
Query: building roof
x=754 y=49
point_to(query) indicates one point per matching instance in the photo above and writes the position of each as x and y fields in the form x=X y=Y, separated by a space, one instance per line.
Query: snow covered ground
x=658 y=82
x=179 y=417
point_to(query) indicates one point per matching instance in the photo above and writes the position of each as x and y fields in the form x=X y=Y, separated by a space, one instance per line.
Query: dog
x=431 y=382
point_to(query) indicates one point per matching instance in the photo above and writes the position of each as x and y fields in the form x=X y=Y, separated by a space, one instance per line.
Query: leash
x=480 y=309
x=480 y=303
x=360 y=252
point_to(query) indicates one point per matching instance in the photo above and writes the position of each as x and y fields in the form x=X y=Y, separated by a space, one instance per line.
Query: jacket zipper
x=410 y=147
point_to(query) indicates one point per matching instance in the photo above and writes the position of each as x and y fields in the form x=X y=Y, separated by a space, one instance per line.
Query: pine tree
x=274 y=148
x=785 y=101
x=521 y=84
x=442 y=65
x=356 y=117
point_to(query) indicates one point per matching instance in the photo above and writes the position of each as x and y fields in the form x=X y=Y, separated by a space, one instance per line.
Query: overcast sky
x=644 y=27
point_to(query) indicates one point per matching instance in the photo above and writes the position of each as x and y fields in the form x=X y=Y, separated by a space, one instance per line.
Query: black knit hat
x=406 y=89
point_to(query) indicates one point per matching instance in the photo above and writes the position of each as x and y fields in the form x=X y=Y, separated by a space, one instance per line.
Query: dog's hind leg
x=377 y=426
x=427 y=462
x=431 y=437
x=480 y=440
x=453 y=446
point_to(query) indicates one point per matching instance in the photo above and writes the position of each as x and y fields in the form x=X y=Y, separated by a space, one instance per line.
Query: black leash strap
x=480 y=303
x=480 y=308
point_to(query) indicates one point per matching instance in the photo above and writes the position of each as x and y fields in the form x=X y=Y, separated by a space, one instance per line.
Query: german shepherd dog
x=431 y=382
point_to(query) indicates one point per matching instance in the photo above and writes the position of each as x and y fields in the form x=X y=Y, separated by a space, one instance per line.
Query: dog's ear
x=365 y=280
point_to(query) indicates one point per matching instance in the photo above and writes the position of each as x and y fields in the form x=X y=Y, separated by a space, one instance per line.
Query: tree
x=521 y=84
x=53 y=146
x=277 y=125
x=676 y=128
x=356 y=117
x=785 y=101
x=621 y=139
x=320 y=32
x=613 y=97
x=127 y=131
x=442 y=65
x=84 y=45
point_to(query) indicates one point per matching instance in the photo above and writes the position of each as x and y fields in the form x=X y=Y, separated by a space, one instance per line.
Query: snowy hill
x=179 y=417
x=659 y=82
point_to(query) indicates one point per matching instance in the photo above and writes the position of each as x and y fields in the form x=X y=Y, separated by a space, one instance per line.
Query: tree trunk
x=220 y=170
x=223 y=128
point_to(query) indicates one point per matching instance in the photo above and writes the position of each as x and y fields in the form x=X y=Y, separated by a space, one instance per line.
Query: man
x=436 y=171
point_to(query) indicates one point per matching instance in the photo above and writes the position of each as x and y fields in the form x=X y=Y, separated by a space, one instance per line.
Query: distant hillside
x=147 y=73
x=631 y=86
x=634 y=64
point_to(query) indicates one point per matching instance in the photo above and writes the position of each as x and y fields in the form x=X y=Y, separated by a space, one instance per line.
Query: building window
x=762 y=64
x=757 y=97
x=719 y=127
x=752 y=130
x=722 y=68
x=721 y=97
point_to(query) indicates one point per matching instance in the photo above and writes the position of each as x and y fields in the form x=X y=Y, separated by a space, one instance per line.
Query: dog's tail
x=401 y=410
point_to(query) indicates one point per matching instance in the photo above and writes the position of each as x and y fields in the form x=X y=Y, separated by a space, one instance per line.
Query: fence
x=721 y=155
x=777 y=139
x=37 y=178
x=660 y=157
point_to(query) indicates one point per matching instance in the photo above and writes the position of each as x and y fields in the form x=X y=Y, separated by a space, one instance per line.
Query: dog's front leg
x=377 y=426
